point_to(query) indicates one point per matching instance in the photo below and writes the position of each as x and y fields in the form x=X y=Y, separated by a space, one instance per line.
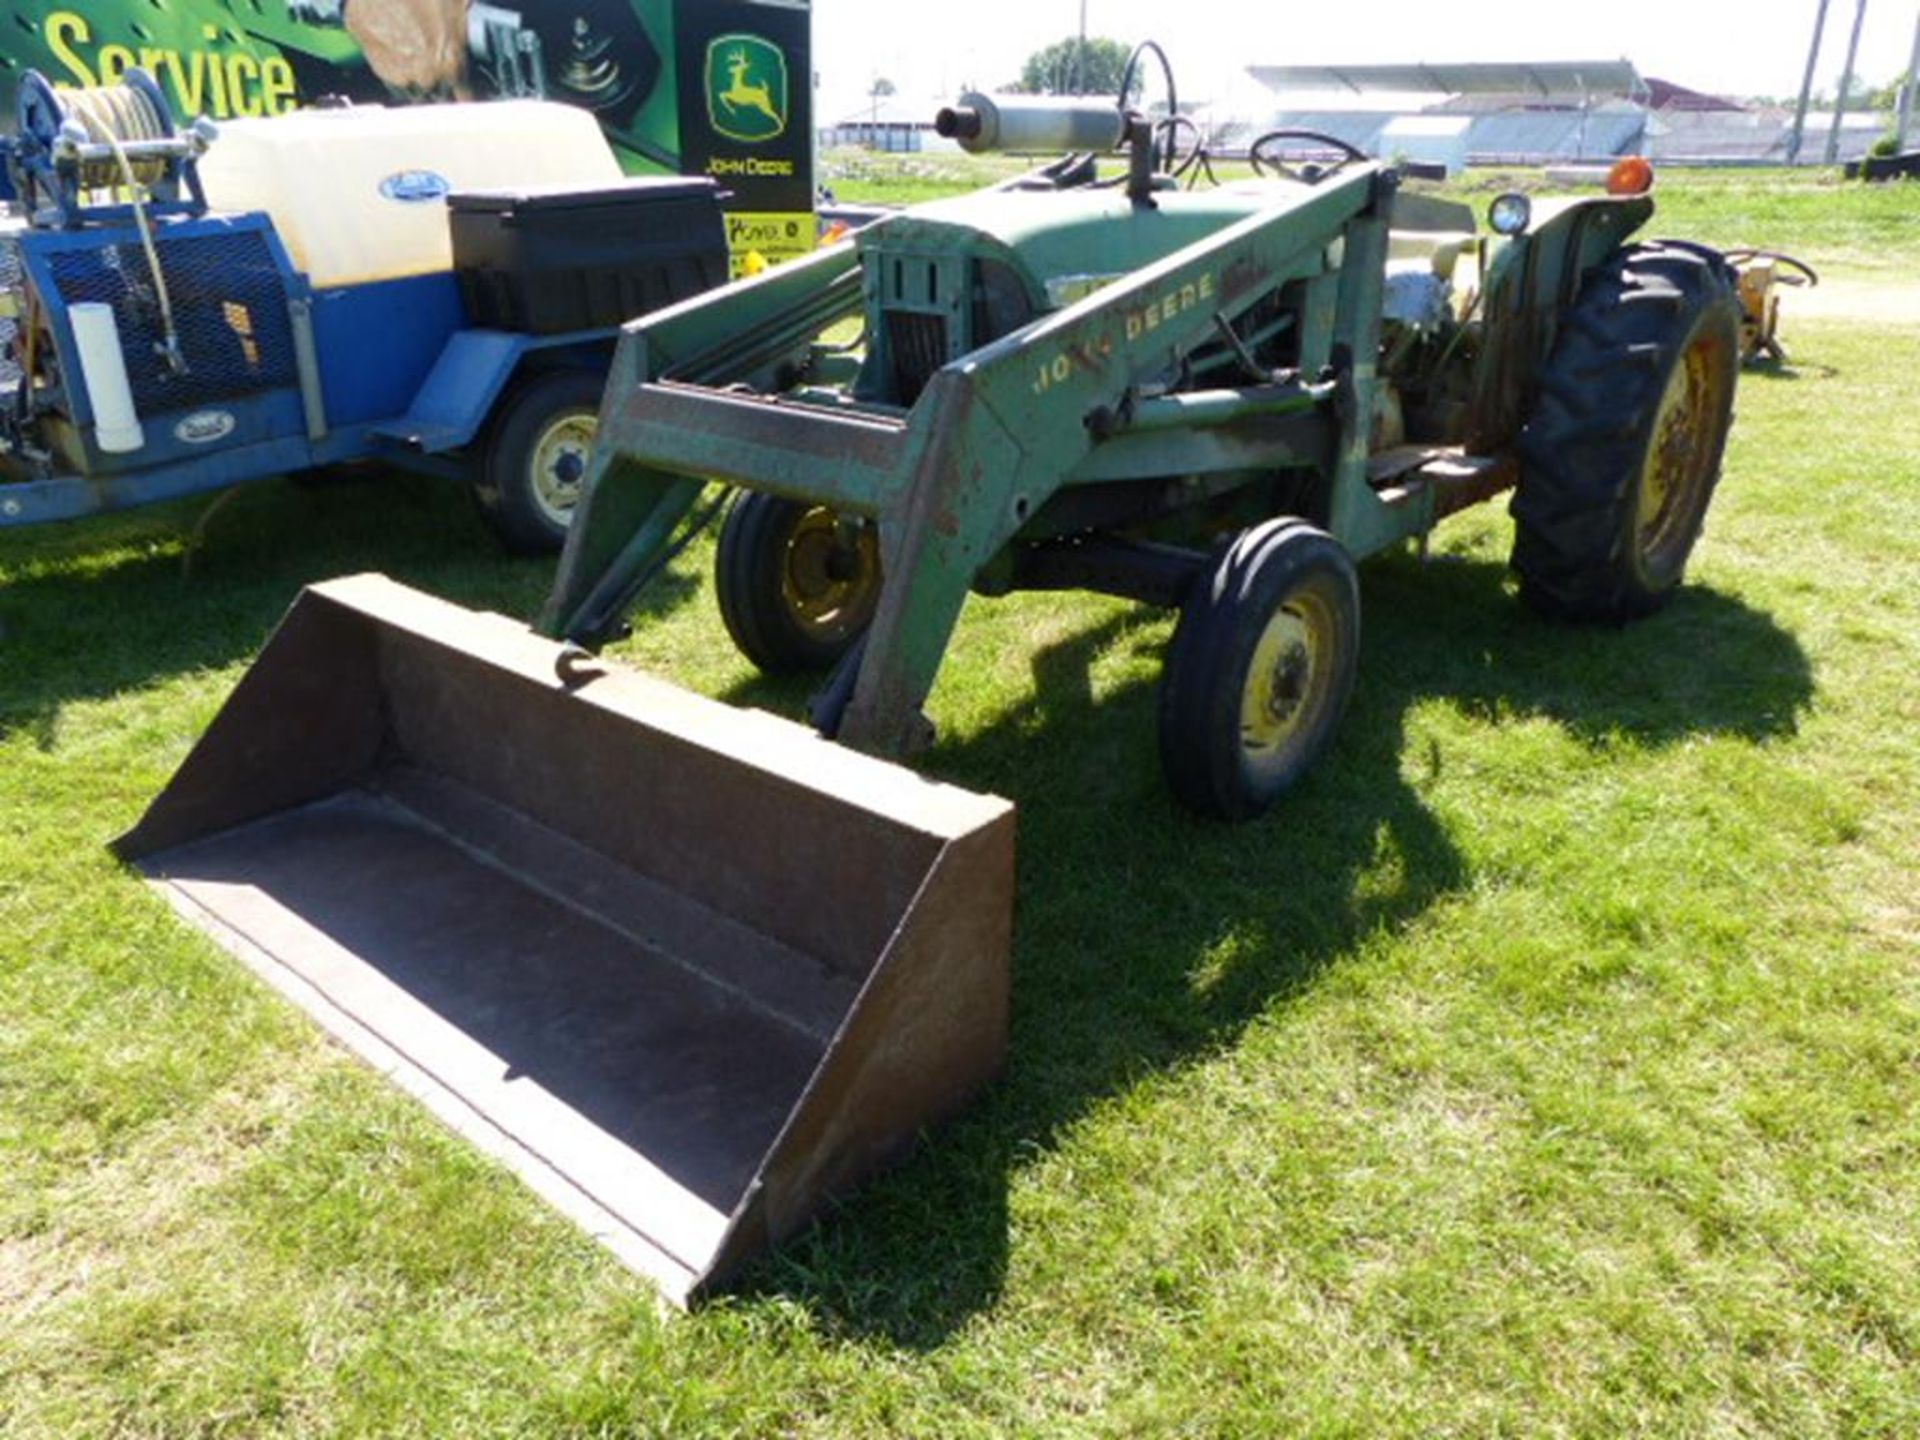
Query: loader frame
x=1047 y=457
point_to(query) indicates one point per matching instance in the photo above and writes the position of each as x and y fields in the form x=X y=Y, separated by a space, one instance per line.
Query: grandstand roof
x=1546 y=80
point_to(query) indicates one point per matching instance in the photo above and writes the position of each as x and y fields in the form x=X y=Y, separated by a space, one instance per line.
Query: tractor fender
x=1566 y=239
x=1532 y=281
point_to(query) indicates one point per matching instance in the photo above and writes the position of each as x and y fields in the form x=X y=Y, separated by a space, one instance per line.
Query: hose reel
x=116 y=139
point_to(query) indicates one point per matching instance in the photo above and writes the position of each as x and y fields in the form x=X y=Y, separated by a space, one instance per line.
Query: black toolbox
x=543 y=261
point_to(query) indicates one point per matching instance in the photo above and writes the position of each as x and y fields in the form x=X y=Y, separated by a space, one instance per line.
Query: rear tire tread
x=1584 y=445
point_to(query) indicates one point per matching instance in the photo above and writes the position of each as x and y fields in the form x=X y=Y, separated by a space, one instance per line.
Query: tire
x=535 y=459
x=1260 y=670
x=1622 y=452
x=795 y=589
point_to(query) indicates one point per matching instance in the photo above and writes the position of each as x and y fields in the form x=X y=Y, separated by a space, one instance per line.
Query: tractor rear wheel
x=1621 y=454
x=1260 y=670
x=797 y=584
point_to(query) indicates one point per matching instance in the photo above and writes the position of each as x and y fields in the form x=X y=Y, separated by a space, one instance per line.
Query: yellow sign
x=756 y=241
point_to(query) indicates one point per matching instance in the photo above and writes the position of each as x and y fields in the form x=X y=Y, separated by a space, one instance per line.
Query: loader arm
x=629 y=508
x=1077 y=397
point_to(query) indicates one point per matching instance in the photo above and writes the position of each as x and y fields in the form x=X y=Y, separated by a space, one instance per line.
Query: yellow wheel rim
x=1289 y=678
x=829 y=579
x=558 y=464
x=1680 y=457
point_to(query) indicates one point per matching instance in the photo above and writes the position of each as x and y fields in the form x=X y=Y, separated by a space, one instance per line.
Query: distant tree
x=1884 y=98
x=1062 y=68
x=881 y=88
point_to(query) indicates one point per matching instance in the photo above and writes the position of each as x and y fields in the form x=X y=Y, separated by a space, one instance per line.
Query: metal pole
x=1080 y=54
x=1907 y=90
x=1806 y=86
x=1846 y=84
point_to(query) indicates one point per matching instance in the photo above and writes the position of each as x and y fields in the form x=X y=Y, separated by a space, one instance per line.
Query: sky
x=930 y=48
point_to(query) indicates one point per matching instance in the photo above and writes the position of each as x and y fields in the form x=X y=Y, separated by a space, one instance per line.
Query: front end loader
x=692 y=970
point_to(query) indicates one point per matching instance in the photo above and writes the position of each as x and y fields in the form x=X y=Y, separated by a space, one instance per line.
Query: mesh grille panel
x=918 y=344
x=229 y=307
x=12 y=283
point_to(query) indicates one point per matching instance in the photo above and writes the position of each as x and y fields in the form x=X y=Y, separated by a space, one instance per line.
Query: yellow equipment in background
x=1761 y=273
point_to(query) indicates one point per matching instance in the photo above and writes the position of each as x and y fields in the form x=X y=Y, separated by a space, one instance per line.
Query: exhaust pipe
x=689 y=970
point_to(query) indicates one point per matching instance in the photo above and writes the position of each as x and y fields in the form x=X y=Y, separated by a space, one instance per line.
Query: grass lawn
x=1550 y=1064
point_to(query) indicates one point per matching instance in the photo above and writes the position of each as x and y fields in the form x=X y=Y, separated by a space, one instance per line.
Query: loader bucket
x=688 y=969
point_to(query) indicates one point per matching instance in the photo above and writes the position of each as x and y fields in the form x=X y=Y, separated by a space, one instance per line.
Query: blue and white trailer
x=438 y=287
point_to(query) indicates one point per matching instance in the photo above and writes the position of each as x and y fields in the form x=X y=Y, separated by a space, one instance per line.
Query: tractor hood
x=1065 y=244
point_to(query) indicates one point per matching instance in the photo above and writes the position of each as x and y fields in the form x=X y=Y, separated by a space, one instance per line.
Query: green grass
x=1549 y=1065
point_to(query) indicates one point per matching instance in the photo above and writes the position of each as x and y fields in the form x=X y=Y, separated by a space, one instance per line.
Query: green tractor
x=1214 y=400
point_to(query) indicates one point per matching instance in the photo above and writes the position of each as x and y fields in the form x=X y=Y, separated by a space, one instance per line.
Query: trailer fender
x=472 y=373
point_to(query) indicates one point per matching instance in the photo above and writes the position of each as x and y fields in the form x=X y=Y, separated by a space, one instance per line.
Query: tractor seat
x=1435 y=250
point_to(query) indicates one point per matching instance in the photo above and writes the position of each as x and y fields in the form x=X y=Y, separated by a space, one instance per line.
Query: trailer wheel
x=536 y=456
x=1621 y=454
x=1260 y=670
x=797 y=586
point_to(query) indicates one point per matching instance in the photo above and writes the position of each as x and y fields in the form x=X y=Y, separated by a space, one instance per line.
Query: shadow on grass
x=1789 y=370
x=1145 y=939
x=101 y=607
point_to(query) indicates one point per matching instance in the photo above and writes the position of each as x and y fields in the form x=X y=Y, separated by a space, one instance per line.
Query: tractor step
x=1402 y=474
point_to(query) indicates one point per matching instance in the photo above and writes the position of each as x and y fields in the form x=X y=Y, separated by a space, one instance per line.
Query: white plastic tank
x=358 y=194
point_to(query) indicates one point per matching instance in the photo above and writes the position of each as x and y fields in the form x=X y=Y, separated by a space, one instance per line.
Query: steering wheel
x=1167 y=135
x=1306 y=174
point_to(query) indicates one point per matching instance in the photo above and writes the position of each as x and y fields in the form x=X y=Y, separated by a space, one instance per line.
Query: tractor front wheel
x=531 y=474
x=1621 y=454
x=797 y=583
x=1260 y=670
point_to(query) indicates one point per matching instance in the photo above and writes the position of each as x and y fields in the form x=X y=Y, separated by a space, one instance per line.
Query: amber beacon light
x=1632 y=175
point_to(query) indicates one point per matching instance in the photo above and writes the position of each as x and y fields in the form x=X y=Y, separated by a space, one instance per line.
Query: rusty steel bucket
x=688 y=969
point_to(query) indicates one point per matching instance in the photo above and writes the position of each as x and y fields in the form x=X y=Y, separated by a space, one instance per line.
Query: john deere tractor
x=1214 y=400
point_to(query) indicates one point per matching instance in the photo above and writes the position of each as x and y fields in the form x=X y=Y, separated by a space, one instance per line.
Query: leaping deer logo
x=751 y=104
x=739 y=94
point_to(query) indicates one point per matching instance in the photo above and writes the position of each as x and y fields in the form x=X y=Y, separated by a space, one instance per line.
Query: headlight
x=1510 y=214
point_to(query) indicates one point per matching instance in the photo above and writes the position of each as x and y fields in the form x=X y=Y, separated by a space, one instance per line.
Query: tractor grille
x=229 y=307
x=13 y=287
x=918 y=345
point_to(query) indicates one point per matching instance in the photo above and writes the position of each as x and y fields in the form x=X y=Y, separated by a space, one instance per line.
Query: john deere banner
x=700 y=87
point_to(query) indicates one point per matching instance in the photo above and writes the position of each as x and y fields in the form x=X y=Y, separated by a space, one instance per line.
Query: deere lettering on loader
x=692 y=970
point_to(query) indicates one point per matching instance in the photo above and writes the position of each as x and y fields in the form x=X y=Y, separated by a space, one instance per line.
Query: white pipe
x=1846 y=84
x=1908 y=90
x=1806 y=86
x=103 y=365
